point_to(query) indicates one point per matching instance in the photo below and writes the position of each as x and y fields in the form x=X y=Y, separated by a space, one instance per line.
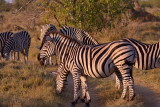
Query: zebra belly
x=99 y=70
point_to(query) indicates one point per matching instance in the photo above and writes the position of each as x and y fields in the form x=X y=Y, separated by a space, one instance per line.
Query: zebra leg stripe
x=85 y=91
x=127 y=79
x=61 y=78
x=118 y=80
x=76 y=80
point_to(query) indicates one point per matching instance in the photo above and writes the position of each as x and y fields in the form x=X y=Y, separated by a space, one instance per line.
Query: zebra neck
x=65 y=47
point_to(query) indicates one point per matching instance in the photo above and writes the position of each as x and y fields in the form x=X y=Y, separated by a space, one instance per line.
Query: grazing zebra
x=79 y=35
x=19 y=42
x=148 y=56
x=83 y=38
x=44 y=29
x=3 y=38
x=97 y=61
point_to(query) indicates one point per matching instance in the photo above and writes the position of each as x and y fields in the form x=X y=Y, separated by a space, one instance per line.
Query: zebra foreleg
x=61 y=78
x=76 y=80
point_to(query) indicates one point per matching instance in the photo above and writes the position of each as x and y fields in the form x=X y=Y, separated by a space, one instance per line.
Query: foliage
x=87 y=14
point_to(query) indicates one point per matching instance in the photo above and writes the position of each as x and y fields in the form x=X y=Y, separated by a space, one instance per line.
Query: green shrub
x=86 y=14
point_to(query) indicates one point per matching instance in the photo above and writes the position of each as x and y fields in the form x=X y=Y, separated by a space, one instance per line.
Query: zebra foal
x=148 y=57
x=19 y=42
x=97 y=61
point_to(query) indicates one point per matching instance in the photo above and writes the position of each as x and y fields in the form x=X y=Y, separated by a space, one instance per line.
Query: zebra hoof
x=123 y=97
x=82 y=100
x=86 y=104
x=132 y=98
x=73 y=104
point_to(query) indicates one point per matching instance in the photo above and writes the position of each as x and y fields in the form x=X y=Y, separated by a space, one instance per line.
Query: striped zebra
x=148 y=57
x=19 y=42
x=4 y=36
x=97 y=61
x=80 y=35
x=44 y=29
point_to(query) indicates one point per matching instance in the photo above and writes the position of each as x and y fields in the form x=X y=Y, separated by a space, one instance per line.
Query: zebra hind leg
x=119 y=83
x=85 y=92
x=127 y=79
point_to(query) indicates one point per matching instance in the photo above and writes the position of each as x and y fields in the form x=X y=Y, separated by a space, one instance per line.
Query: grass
x=153 y=77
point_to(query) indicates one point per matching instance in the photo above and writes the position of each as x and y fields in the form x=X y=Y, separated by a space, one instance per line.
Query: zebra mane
x=62 y=35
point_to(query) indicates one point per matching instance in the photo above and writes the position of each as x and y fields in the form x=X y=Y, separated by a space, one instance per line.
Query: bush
x=86 y=14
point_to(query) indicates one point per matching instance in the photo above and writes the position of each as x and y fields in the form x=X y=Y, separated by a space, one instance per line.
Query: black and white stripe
x=4 y=36
x=46 y=28
x=97 y=61
x=18 y=42
x=148 y=56
x=78 y=34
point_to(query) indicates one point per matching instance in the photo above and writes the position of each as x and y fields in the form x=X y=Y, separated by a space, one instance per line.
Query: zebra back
x=79 y=35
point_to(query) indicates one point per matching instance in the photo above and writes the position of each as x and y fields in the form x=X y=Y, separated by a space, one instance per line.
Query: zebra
x=4 y=36
x=148 y=57
x=46 y=28
x=98 y=61
x=18 y=42
x=82 y=37
x=78 y=34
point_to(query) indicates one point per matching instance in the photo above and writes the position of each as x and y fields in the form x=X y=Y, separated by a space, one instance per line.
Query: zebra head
x=47 y=50
x=46 y=28
x=6 y=55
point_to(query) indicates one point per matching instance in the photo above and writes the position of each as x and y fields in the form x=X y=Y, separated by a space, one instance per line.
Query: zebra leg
x=127 y=81
x=26 y=56
x=50 y=60
x=56 y=61
x=61 y=78
x=18 y=54
x=76 y=80
x=85 y=92
x=131 y=88
x=118 y=80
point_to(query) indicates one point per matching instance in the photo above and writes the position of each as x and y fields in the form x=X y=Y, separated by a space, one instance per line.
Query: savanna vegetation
x=106 y=20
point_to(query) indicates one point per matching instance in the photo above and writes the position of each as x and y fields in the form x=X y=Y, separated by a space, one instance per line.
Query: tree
x=86 y=14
